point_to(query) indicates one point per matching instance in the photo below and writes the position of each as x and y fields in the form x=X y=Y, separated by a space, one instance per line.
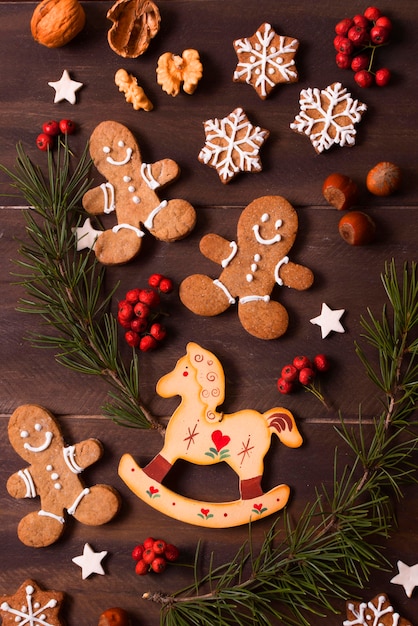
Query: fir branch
x=335 y=545
x=66 y=288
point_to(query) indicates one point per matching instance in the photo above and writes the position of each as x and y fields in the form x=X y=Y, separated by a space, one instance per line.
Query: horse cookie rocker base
x=200 y=434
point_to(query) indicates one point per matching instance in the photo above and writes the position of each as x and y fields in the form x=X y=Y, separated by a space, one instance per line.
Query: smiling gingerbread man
x=130 y=192
x=53 y=475
x=252 y=265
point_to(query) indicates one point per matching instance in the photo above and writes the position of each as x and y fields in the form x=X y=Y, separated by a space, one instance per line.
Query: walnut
x=173 y=70
x=135 y=23
x=134 y=94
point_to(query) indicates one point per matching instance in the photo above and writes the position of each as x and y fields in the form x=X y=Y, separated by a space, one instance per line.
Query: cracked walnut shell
x=173 y=70
x=135 y=23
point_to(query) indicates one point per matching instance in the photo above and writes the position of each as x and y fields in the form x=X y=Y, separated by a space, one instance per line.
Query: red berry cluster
x=51 y=130
x=302 y=371
x=138 y=314
x=356 y=42
x=153 y=555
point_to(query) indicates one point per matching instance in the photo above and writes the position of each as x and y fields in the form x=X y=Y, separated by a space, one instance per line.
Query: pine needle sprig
x=67 y=289
x=302 y=567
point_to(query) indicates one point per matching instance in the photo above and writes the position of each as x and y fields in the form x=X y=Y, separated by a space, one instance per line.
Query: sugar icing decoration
x=407 y=577
x=373 y=613
x=31 y=606
x=90 y=561
x=65 y=88
x=266 y=59
x=328 y=116
x=329 y=320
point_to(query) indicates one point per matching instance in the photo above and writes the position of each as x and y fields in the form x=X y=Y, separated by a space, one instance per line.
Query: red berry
x=385 y=22
x=137 y=552
x=382 y=77
x=360 y=62
x=51 y=128
x=158 y=565
x=148 y=555
x=289 y=373
x=125 y=309
x=154 y=280
x=147 y=343
x=357 y=35
x=361 y=21
x=284 y=386
x=379 y=35
x=148 y=543
x=141 y=568
x=372 y=13
x=132 y=296
x=306 y=375
x=321 y=363
x=171 y=553
x=343 y=26
x=166 y=285
x=138 y=324
x=158 y=331
x=141 y=310
x=345 y=45
x=159 y=546
x=44 y=142
x=301 y=361
x=343 y=61
x=337 y=41
x=132 y=338
x=124 y=322
x=363 y=78
x=67 y=127
x=149 y=297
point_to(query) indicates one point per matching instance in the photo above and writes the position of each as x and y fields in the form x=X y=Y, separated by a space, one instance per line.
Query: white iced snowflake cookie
x=232 y=145
x=266 y=59
x=32 y=606
x=328 y=116
x=377 y=611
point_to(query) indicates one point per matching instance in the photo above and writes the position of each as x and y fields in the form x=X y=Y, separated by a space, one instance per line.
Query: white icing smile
x=124 y=161
x=262 y=240
x=40 y=448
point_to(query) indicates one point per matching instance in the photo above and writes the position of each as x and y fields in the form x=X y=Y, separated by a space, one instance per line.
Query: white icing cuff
x=136 y=230
x=246 y=299
x=149 y=222
x=218 y=283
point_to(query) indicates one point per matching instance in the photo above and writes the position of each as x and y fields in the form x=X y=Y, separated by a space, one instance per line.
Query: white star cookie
x=329 y=320
x=65 y=88
x=407 y=577
x=90 y=561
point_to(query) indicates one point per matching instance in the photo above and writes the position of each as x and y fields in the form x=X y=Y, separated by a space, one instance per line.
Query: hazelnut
x=340 y=191
x=357 y=228
x=114 y=617
x=384 y=179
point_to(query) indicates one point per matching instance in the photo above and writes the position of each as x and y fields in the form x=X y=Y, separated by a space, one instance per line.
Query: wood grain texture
x=345 y=277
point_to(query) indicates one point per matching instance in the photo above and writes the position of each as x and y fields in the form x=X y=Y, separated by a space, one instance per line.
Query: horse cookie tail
x=282 y=423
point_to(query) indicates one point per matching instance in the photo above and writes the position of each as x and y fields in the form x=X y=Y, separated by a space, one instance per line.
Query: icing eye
x=24 y=434
x=265 y=217
x=38 y=427
x=279 y=223
x=121 y=144
x=106 y=149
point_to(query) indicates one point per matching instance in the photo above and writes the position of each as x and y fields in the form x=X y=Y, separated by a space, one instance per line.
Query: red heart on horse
x=258 y=507
x=220 y=440
x=204 y=512
x=153 y=490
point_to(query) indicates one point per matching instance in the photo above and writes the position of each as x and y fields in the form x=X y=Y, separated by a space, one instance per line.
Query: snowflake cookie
x=377 y=611
x=328 y=116
x=266 y=59
x=31 y=606
x=232 y=145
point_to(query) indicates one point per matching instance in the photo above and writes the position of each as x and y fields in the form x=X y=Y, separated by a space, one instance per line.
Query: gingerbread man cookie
x=53 y=475
x=130 y=191
x=252 y=265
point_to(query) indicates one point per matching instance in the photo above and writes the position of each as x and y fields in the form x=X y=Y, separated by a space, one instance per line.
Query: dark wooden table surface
x=345 y=277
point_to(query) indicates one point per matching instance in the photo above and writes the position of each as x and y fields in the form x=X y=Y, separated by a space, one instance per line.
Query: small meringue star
x=329 y=320
x=90 y=561
x=407 y=577
x=86 y=235
x=65 y=88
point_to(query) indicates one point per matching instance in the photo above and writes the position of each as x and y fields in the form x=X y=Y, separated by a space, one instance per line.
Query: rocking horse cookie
x=199 y=433
x=53 y=475
x=130 y=191
x=251 y=266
